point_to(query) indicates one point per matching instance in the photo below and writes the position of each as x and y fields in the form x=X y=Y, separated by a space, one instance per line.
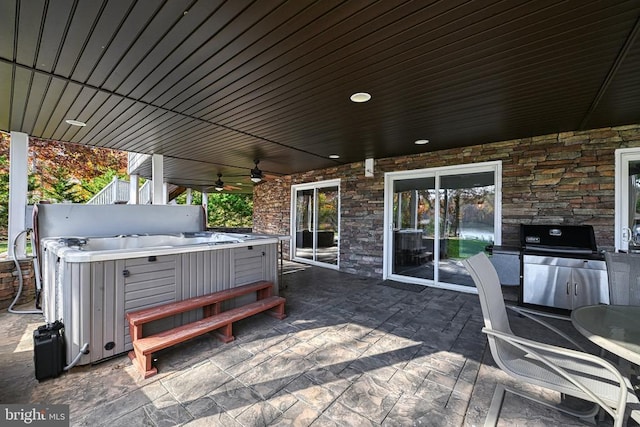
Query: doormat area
x=403 y=286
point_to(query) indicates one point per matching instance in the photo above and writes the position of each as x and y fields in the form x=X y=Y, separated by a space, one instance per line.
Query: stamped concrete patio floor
x=353 y=351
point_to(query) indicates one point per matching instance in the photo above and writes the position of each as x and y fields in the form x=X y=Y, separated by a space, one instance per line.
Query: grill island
x=562 y=268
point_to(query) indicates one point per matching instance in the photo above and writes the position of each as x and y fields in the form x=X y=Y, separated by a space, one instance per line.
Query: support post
x=157 y=178
x=205 y=201
x=18 y=157
x=134 y=189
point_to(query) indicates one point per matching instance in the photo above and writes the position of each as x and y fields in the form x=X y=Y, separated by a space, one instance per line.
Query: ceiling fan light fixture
x=421 y=142
x=360 y=97
x=334 y=156
x=256 y=173
x=219 y=185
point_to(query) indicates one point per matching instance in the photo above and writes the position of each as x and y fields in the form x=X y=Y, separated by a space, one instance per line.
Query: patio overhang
x=213 y=86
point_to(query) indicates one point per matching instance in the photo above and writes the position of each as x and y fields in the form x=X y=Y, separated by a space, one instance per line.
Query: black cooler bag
x=48 y=350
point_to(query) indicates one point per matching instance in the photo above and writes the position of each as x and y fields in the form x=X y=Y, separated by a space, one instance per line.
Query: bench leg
x=135 y=331
x=263 y=293
x=211 y=310
x=277 y=312
x=143 y=363
x=225 y=334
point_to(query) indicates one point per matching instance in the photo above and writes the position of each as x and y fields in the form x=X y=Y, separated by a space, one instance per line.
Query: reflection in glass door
x=435 y=218
x=316 y=223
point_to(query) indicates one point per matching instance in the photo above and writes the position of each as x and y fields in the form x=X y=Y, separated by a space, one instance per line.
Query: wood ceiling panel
x=37 y=89
x=208 y=55
x=82 y=21
x=73 y=112
x=228 y=82
x=108 y=22
x=21 y=82
x=151 y=128
x=172 y=37
x=251 y=64
x=188 y=50
x=110 y=124
x=54 y=92
x=447 y=69
x=134 y=23
x=157 y=30
x=55 y=24
x=100 y=106
x=6 y=85
x=59 y=113
x=313 y=56
x=7 y=29
x=232 y=59
x=31 y=14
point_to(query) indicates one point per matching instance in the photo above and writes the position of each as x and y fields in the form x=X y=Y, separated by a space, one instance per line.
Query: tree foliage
x=60 y=172
x=225 y=209
x=74 y=173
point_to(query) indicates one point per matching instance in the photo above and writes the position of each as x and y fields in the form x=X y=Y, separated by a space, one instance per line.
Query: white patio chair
x=569 y=372
x=624 y=278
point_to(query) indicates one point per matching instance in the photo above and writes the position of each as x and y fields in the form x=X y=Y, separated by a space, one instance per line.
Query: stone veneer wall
x=565 y=178
x=9 y=283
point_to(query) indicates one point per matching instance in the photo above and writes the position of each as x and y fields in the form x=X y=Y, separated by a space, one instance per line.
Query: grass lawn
x=464 y=248
x=4 y=245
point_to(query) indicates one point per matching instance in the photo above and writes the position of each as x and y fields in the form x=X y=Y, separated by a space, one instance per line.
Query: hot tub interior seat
x=140 y=241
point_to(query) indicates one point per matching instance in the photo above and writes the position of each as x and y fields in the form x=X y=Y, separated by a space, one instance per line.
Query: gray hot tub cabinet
x=91 y=294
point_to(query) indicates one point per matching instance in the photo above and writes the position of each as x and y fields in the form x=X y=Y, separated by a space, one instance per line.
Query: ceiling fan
x=220 y=186
x=256 y=173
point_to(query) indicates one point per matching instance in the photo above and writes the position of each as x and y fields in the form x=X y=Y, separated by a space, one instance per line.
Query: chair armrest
x=549 y=326
x=531 y=347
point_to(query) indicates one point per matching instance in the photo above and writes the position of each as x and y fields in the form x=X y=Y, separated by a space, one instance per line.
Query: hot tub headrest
x=69 y=220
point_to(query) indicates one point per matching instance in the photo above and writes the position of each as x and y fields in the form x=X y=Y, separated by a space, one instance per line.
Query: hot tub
x=90 y=283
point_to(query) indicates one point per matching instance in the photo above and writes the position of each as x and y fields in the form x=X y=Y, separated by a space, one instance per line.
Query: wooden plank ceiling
x=213 y=85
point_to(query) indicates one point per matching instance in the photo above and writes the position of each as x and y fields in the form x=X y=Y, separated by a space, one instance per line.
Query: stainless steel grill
x=562 y=268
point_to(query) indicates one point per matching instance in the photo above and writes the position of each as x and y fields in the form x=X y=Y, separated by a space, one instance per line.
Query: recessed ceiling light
x=360 y=97
x=334 y=156
x=75 y=122
x=421 y=142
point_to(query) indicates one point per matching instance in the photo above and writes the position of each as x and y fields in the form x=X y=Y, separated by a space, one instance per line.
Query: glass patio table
x=616 y=328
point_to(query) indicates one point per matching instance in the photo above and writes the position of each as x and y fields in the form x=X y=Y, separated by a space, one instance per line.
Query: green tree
x=225 y=209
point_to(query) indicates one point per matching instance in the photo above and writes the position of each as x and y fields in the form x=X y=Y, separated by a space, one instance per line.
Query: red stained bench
x=213 y=320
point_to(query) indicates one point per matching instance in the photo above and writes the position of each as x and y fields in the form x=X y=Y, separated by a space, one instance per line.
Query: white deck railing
x=144 y=194
x=117 y=191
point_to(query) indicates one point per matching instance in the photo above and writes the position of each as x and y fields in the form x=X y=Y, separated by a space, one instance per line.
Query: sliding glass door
x=434 y=218
x=315 y=223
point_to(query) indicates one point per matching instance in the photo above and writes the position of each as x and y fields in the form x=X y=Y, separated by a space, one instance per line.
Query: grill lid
x=558 y=238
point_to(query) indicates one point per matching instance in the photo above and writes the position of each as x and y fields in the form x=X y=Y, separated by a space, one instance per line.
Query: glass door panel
x=413 y=227
x=305 y=224
x=327 y=237
x=466 y=222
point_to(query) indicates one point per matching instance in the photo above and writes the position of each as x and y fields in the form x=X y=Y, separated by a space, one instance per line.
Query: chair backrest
x=624 y=278
x=486 y=279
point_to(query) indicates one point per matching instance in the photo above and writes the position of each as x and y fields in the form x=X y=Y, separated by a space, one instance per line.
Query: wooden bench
x=213 y=320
